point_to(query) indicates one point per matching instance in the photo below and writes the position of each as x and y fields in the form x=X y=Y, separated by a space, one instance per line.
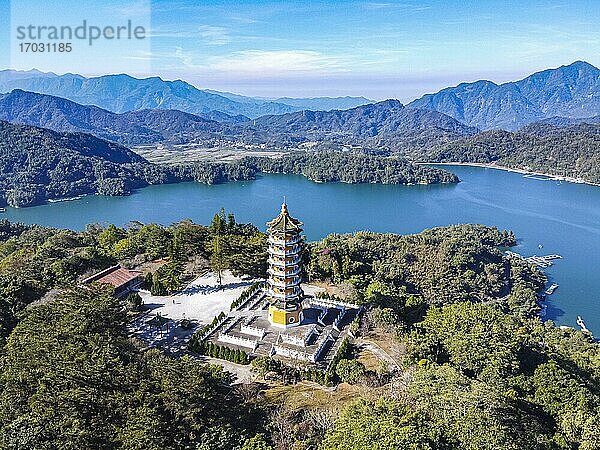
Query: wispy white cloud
x=395 y=5
x=277 y=61
x=257 y=62
x=136 y=8
x=213 y=35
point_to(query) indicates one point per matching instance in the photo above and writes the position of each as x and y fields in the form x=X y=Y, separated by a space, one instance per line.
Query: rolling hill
x=387 y=123
x=131 y=128
x=123 y=93
x=38 y=164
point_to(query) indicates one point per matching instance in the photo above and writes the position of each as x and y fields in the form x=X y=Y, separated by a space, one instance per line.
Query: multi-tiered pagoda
x=285 y=267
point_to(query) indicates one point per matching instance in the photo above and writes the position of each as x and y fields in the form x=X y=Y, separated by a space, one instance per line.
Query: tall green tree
x=218 y=260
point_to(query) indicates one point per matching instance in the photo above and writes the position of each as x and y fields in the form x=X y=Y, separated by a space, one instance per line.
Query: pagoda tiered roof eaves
x=285 y=222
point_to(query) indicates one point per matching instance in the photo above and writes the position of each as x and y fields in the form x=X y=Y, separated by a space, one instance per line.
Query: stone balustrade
x=339 y=318
x=236 y=340
x=317 y=353
x=253 y=331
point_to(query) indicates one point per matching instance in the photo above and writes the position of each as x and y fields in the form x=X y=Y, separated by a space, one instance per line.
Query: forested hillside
x=38 y=165
x=387 y=122
x=352 y=167
x=479 y=370
x=572 y=151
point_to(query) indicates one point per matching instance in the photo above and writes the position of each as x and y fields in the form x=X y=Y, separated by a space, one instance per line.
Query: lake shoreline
x=515 y=170
x=253 y=178
x=565 y=218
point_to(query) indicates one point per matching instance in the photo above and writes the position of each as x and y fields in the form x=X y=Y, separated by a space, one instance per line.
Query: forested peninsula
x=570 y=152
x=40 y=165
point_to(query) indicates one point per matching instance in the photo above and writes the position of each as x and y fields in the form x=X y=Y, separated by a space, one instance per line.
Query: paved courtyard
x=199 y=302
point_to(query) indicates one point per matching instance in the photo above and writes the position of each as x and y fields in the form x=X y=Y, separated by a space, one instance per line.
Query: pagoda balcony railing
x=274 y=270
x=283 y=292
x=287 y=262
x=284 y=251
x=285 y=282
x=287 y=297
x=284 y=241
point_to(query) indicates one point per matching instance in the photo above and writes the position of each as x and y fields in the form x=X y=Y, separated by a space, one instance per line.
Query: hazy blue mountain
x=387 y=124
x=325 y=103
x=18 y=74
x=559 y=121
x=571 y=91
x=219 y=116
x=123 y=93
x=135 y=127
x=301 y=103
x=386 y=117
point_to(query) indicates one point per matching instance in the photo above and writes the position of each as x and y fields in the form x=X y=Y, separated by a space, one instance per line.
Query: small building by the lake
x=124 y=281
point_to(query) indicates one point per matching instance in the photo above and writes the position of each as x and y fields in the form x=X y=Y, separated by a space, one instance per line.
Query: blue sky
x=379 y=49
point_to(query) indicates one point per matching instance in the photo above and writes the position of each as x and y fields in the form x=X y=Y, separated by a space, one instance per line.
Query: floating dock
x=551 y=289
x=581 y=323
x=540 y=261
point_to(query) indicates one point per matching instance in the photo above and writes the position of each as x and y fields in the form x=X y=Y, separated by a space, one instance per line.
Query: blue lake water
x=563 y=217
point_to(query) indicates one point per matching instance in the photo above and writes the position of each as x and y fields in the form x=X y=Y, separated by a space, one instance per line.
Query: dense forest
x=479 y=370
x=38 y=164
x=352 y=167
x=572 y=151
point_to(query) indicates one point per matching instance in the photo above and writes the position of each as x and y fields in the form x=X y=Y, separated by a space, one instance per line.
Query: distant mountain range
x=571 y=91
x=558 y=95
x=547 y=120
x=123 y=93
x=310 y=103
x=382 y=118
x=386 y=122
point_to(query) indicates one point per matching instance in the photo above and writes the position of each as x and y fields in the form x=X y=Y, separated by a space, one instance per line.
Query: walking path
x=377 y=351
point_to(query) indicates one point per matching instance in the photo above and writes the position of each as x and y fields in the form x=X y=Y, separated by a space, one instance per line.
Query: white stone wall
x=253 y=331
x=242 y=342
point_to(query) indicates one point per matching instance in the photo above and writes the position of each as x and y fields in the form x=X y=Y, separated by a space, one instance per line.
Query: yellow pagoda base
x=285 y=318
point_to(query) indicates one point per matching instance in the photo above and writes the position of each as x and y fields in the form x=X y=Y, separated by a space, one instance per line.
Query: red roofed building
x=123 y=280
